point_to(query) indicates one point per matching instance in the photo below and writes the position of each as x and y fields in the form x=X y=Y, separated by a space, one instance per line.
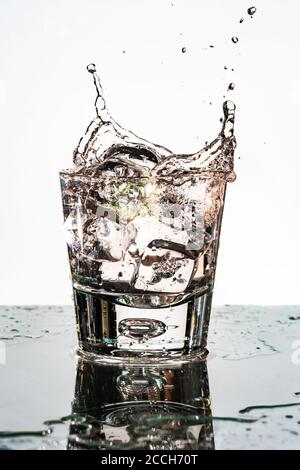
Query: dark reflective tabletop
x=246 y=395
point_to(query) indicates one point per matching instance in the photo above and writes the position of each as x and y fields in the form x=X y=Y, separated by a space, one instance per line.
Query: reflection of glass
x=142 y=226
x=149 y=408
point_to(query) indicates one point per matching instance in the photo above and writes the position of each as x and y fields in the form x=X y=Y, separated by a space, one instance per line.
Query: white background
x=46 y=102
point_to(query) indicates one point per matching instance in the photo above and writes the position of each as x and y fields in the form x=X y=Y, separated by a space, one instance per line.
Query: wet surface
x=245 y=396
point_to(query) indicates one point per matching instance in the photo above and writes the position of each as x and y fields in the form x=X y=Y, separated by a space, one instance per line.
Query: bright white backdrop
x=46 y=102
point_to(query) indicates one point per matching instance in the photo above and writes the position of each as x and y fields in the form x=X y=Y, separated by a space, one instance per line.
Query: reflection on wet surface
x=52 y=400
x=149 y=408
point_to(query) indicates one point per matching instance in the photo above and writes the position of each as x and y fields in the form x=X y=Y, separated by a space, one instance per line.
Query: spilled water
x=153 y=407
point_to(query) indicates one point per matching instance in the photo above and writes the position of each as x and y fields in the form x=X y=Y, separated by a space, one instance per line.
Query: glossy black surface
x=254 y=362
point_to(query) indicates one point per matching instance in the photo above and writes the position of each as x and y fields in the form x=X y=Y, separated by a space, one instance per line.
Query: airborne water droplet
x=251 y=11
x=183 y=50
x=241 y=20
x=231 y=86
x=91 y=68
x=234 y=39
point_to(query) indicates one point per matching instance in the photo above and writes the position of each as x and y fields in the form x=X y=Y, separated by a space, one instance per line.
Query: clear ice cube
x=122 y=270
x=106 y=239
x=163 y=270
x=149 y=228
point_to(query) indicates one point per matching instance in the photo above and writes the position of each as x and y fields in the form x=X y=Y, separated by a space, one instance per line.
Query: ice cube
x=149 y=228
x=106 y=239
x=164 y=270
x=122 y=270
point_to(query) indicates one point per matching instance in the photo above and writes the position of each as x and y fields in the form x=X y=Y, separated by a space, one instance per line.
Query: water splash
x=106 y=146
x=214 y=157
x=100 y=104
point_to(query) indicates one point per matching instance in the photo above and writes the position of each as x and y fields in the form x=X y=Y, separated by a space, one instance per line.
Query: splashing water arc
x=107 y=146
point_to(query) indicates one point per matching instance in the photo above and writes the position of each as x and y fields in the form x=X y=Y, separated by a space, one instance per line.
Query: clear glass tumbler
x=143 y=254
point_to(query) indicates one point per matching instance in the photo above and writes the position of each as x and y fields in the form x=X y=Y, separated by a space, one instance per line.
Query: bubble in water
x=251 y=11
x=183 y=50
x=235 y=39
x=231 y=86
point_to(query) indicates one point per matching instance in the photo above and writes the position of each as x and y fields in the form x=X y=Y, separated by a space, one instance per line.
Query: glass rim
x=201 y=174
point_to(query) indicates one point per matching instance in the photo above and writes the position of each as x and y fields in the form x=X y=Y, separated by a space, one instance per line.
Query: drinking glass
x=143 y=253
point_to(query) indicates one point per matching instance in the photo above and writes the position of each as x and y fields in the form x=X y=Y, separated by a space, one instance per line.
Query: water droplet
x=251 y=11
x=234 y=39
x=231 y=86
x=183 y=50
x=91 y=68
x=241 y=20
x=133 y=249
x=231 y=177
x=225 y=67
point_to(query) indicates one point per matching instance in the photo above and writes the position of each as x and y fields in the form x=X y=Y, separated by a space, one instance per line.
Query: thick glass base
x=110 y=332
